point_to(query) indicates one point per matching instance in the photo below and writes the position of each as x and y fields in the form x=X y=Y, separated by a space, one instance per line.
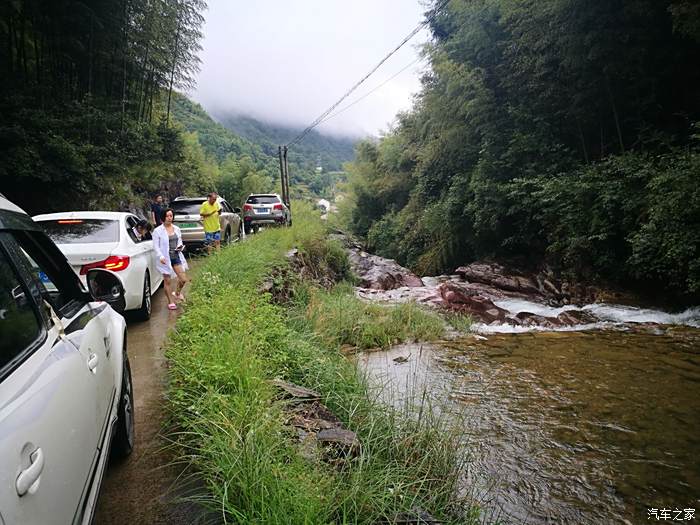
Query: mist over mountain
x=327 y=151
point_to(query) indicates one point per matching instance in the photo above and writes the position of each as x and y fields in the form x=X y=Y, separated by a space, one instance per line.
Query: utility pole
x=283 y=174
x=288 y=200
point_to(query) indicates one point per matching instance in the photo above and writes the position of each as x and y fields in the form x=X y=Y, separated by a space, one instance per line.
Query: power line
x=408 y=37
x=392 y=77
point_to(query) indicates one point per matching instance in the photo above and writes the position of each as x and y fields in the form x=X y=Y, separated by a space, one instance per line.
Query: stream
x=581 y=424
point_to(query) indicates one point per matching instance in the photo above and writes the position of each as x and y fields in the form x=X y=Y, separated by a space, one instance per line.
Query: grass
x=339 y=318
x=232 y=340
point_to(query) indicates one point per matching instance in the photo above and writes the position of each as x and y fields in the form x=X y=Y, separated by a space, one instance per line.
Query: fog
x=288 y=61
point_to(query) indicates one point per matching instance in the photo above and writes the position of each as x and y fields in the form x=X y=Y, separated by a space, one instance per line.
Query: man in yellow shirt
x=209 y=211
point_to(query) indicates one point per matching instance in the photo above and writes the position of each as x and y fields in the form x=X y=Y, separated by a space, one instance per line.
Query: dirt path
x=136 y=491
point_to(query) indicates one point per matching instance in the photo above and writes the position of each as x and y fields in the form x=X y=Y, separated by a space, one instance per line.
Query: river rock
x=464 y=299
x=497 y=276
x=576 y=317
x=379 y=273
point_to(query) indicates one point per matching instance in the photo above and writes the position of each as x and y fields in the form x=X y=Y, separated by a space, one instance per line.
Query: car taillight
x=247 y=207
x=278 y=207
x=115 y=263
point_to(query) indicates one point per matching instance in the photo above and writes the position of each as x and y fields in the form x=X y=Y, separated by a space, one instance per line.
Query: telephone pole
x=284 y=175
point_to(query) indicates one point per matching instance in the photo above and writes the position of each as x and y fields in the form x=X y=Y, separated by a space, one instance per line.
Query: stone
x=296 y=391
x=463 y=299
x=415 y=516
x=379 y=273
x=497 y=276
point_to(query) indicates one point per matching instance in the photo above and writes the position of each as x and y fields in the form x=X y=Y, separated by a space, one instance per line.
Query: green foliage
x=227 y=346
x=315 y=150
x=339 y=318
x=545 y=133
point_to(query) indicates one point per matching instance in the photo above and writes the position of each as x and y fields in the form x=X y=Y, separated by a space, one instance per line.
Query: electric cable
x=408 y=37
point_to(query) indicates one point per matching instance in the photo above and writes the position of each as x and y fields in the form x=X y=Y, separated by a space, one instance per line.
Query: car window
x=81 y=231
x=225 y=207
x=20 y=326
x=263 y=199
x=131 y=223
x=42 y=265
x=186 y=207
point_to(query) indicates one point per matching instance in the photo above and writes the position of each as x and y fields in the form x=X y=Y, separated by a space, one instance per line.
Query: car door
x=49 y=428
x=233 y=219
x=141 y=255
x=146 y=249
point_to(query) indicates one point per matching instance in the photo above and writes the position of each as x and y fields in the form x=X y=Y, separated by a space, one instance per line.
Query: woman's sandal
x=172 y=306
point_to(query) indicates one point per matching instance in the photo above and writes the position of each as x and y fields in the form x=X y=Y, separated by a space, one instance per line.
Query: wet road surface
x=135 y=491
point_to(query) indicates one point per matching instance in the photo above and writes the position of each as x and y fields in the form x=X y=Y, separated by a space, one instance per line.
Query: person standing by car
x=157 y=209
x=210 y=211
x=171 y=263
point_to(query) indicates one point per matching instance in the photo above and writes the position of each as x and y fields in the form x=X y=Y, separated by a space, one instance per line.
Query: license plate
x=188 y=225
x=261 y=210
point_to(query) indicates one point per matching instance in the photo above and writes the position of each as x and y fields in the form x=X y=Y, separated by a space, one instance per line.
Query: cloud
x=287 y=61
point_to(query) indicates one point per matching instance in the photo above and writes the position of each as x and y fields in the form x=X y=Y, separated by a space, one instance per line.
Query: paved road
x=136 y=491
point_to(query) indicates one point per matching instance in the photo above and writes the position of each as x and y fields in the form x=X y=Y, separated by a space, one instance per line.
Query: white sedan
x=103 y=239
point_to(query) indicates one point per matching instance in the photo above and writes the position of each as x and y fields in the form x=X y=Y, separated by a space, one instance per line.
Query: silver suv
x=265 y=208
x=65 y=383
x=190 y=222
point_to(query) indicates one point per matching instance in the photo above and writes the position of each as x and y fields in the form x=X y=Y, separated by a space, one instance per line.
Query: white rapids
x=608 y=315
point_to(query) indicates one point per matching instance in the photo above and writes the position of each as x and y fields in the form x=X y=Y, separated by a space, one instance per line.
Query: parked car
x=190 y=222
x=105 y=239
x=267 y=208
x=66 y=398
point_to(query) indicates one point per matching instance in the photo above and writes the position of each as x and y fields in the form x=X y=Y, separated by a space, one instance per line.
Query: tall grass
x=232 y=340
x=338 y=318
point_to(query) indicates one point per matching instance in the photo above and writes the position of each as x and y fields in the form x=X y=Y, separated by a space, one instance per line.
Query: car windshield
x=262 y=199
x=79 y=231
x=186 y=207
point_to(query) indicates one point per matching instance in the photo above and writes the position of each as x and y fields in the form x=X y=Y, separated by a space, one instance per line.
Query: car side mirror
x=236 y=210
x=103 y=285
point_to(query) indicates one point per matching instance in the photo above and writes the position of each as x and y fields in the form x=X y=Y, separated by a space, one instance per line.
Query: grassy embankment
x=232 y=340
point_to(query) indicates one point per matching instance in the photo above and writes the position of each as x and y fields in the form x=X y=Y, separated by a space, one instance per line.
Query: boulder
x=379 y=273
x=466 y=300
x=576 y=317
x=497 y=276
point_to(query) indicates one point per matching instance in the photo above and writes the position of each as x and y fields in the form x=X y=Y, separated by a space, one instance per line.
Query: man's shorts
x=210 y=237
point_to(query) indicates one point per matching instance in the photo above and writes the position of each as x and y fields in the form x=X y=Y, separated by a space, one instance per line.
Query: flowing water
x=575 y=426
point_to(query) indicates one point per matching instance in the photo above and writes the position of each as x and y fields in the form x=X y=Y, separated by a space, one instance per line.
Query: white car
x=66 y=398
x=103 y=239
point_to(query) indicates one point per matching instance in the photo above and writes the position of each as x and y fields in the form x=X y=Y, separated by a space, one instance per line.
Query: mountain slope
x=315 y=150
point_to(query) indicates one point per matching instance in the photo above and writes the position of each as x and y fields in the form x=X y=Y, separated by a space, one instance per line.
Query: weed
x=232 y=339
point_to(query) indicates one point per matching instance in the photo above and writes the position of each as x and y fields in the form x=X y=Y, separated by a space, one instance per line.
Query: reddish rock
x=576 y=317
x=458 y=297
x=379 y=273
x=497 y=276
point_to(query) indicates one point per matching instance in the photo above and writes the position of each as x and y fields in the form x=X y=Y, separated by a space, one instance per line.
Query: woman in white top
x=167 y=244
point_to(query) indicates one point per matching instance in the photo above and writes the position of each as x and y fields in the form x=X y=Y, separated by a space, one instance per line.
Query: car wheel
x=144 y=312
x=123 y=442
x=227 y=237
x=247 y=229
x=256 y=229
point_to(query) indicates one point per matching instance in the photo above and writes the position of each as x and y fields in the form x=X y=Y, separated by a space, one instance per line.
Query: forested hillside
x=327 y=151
x=85 y=100
x=551 y=132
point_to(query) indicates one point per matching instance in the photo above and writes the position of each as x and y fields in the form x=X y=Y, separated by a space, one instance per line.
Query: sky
x=287 y=61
